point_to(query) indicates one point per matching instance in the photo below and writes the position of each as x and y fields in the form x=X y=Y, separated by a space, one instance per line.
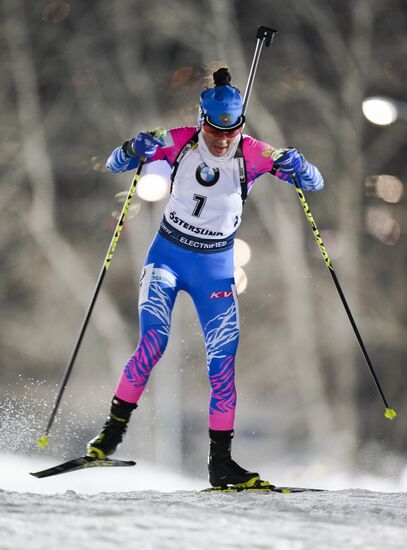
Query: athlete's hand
x=144 y=145
x=288 y=160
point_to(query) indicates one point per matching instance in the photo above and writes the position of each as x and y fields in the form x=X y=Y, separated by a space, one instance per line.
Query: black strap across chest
x=192 y=144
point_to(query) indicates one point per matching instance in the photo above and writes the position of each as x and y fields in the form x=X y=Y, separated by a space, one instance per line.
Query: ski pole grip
x=266 y=33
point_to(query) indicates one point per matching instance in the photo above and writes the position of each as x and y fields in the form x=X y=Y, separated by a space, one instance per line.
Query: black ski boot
x=111 y=435
x=224 y=471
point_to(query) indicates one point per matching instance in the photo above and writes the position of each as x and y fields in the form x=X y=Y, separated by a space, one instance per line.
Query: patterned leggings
x=208 y=278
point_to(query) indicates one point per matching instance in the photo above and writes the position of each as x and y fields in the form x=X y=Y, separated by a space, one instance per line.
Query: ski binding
x=258 y=486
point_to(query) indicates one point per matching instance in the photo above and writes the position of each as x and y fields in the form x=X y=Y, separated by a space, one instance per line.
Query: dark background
x=80 y=77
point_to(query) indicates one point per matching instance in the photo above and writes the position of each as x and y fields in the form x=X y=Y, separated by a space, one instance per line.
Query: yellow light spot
x=42 y=441
x=390 y=414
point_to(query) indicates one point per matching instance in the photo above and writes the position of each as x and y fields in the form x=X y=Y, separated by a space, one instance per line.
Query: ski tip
x=124 y=462
x=80 y=463
x=390 y=413
x=42 y=441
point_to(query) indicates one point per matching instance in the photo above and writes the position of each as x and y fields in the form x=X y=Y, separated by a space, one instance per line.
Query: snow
x=107 y=509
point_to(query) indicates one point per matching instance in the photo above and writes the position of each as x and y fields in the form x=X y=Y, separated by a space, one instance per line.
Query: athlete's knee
x=149 y=351
x=222 y=335
x=225 y=350
x=153 y=343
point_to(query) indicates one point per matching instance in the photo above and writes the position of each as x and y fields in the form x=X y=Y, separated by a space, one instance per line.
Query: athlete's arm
x=173 y=142
x=260 y=159
x=129 y=154
x=291 y=162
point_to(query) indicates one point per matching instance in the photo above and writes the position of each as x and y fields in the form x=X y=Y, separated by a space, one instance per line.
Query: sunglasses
x=219 y=133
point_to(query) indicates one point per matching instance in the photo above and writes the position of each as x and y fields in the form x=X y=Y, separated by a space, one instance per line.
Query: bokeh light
x=119 y=199
x=379 y=110
x=334 y=243
x=98 y=164
x=240 y=280
x=242 y=253
x=153 y=187
x=55 y=12
x=292 y=79
x=83 y=79
x=154 y=184
x=385 y=187
x=381 y=223
x=183 y=77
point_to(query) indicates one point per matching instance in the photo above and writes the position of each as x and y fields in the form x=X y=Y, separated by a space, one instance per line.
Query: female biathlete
x=214 y=167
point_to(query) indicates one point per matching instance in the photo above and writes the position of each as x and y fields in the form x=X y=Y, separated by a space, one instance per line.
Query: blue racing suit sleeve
x=309 y=177
x=289 y=162
x=119 y=162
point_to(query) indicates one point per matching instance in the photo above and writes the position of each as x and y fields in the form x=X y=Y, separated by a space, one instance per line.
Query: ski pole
x=265 y=37
x=43 y=440
x=389 y=413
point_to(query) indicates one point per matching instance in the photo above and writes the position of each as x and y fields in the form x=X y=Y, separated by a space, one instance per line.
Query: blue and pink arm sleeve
x=175 y=139
x=258 y=159
x=257 y=154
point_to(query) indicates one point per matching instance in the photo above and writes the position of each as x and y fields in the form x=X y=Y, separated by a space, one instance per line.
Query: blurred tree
x=78 y=78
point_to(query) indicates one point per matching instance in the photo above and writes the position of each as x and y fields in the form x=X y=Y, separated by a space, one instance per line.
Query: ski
x=289 y=490
x=80 y=464
x=262 y=487
x=272 y=489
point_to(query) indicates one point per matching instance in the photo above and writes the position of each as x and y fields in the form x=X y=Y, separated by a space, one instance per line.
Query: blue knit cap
x=221 y=107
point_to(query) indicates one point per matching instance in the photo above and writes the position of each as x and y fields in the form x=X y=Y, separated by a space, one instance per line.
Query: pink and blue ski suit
x=193 y=251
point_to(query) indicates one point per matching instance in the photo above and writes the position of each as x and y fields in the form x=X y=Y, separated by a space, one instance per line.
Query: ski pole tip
x=390 y=413
x=42 y=441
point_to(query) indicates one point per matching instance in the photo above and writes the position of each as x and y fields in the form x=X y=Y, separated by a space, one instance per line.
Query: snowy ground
x=77 y=511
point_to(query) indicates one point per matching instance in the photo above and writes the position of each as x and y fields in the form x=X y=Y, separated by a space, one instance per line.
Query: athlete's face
x=219 y=142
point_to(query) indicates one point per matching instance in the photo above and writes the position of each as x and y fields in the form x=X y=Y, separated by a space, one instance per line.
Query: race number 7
x=200 y=203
